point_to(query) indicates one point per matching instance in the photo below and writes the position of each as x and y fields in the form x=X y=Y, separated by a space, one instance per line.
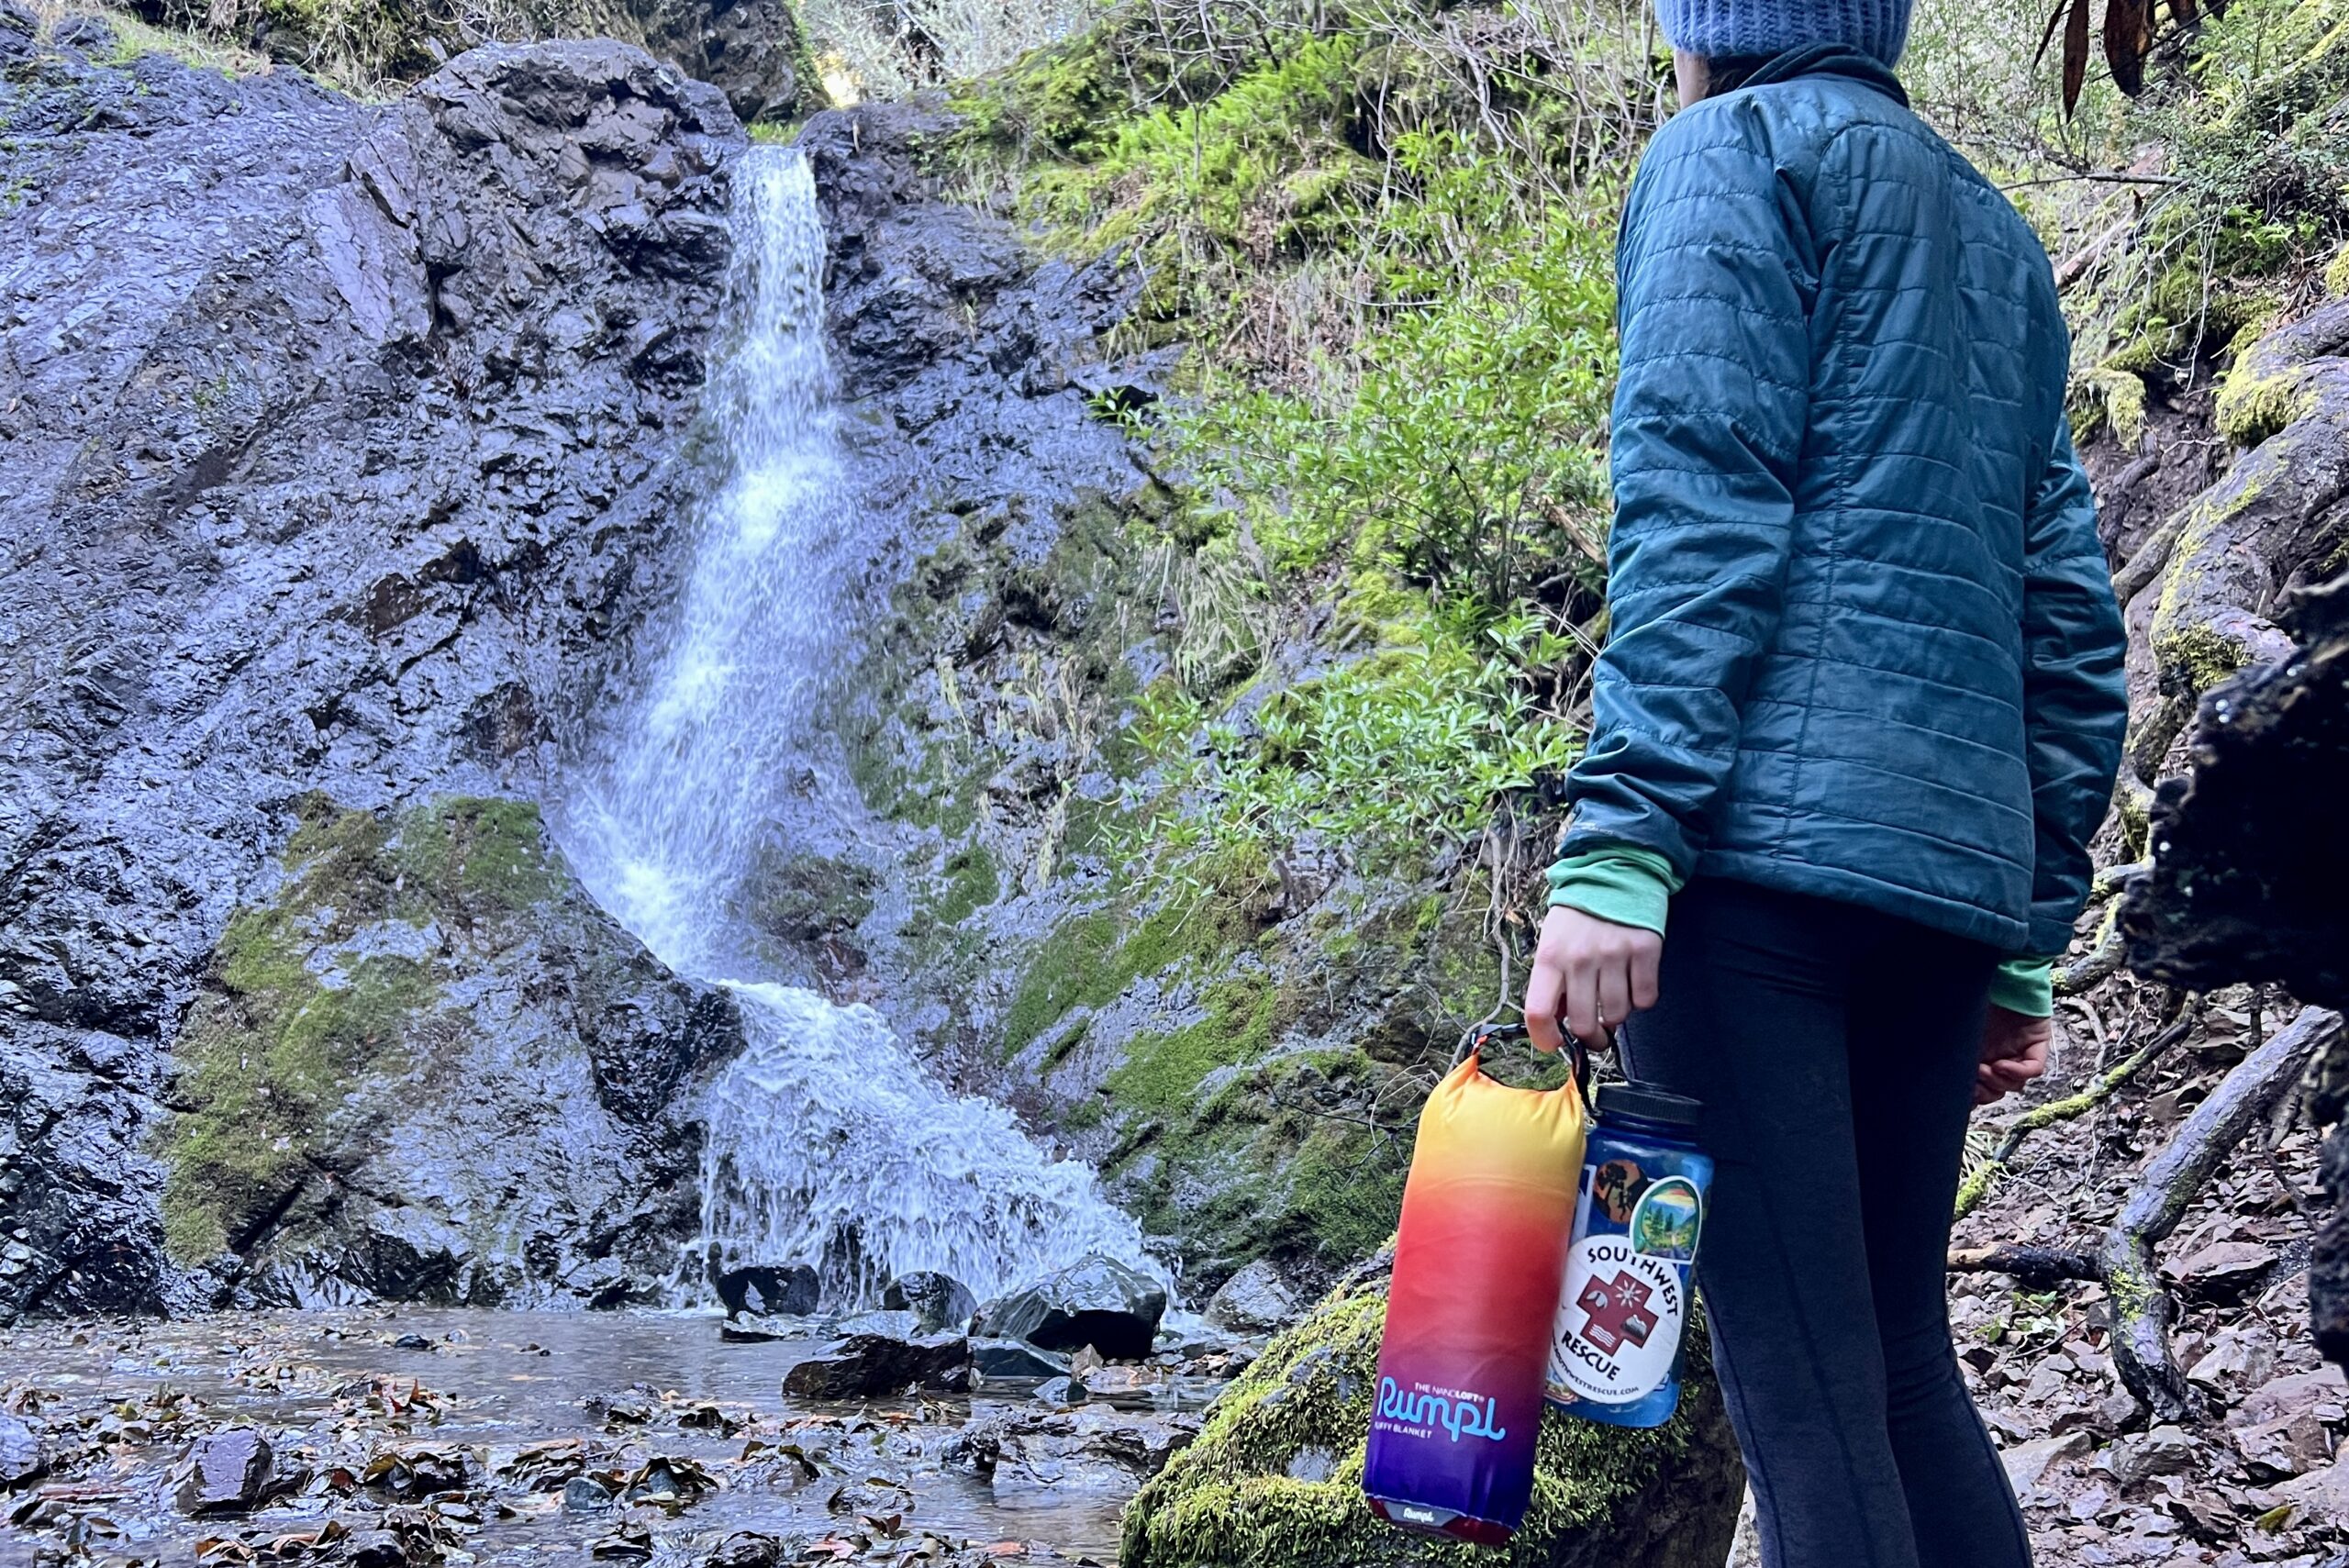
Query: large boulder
x=865 y=1366
x=1275 y=1474
x=937 y=1301
x=759 y=1290
x=1098 y=1302
x=1256 y=1300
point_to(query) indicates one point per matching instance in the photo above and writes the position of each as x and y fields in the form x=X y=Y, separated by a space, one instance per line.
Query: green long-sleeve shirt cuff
x=1621 y=882
x=1633 y=886
x=2025 y=985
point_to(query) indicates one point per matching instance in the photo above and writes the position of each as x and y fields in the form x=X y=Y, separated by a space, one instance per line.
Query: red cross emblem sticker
x=1618 y=1312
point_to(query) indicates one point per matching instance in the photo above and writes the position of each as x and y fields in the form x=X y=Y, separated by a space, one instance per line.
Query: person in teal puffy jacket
x=1857 y=719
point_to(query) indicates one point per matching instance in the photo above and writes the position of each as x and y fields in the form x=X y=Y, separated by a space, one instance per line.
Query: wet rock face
x=1234 y=1080
x=328 y=463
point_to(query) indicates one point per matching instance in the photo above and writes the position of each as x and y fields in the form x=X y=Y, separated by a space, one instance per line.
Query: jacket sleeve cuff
x=1621 y=883
x=2025 y=985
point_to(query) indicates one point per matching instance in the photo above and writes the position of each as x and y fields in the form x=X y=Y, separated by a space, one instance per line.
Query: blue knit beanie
x=1718 y=27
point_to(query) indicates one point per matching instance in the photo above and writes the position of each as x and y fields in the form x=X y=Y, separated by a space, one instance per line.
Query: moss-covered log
x=1275 y=1476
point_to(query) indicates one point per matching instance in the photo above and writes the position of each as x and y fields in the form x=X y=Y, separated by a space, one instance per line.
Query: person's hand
x=2014 y=1051
x=1588 y=975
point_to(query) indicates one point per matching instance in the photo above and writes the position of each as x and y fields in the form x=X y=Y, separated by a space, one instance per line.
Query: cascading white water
x=827 y=1143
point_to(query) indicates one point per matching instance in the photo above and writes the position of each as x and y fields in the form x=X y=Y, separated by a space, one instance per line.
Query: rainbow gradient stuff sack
x=1487 y=1211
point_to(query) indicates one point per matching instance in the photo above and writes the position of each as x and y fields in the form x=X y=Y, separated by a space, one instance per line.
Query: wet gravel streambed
x=422 y=1435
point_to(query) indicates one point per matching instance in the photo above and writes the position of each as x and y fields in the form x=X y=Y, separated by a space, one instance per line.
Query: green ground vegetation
x=316 y=989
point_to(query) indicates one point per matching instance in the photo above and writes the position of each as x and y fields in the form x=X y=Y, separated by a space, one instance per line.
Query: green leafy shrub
x=1374 y=757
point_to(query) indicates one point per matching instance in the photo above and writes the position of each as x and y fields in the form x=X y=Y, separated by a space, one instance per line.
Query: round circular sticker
x=1619 y=1322
x=1664 y=1223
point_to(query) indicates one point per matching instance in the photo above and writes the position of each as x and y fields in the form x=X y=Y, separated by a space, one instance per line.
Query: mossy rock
x=805 y=898
x=1275 y=1479
x=424 y=1065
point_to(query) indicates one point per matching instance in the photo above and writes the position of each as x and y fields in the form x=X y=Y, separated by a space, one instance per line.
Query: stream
x=519 y=1402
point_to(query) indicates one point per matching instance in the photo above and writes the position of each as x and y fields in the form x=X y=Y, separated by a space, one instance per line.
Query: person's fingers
x=1647 y=983
x=2029 y=1062
x=1582 y=1001
x=1614 y=992
x=2002 y=1044
x=1541 y=989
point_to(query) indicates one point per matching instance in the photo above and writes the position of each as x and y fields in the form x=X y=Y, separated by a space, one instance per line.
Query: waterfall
x=827 y=1142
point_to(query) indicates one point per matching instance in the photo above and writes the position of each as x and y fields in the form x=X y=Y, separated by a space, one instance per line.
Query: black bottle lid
x=1645 y=1102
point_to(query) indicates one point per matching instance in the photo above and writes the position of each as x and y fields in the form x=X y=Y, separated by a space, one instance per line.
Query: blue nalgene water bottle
x=1615 y=1346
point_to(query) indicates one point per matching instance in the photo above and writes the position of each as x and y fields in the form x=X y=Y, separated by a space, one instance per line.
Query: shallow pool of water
x=125 y=1401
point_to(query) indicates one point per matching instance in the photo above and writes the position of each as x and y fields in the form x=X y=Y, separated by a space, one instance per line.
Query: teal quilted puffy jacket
x=1864 y=638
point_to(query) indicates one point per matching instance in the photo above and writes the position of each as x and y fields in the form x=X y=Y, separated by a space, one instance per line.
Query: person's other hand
x=2014 y=1051
x=1588 y=975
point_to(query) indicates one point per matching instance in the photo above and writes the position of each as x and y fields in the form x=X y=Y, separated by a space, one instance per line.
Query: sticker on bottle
x=1626 y=1296
x=1664 y=1223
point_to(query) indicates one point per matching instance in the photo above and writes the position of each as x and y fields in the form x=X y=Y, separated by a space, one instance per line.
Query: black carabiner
x=1578 y=1057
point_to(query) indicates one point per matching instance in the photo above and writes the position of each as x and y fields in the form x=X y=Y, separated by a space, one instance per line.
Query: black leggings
x=1834 y=1051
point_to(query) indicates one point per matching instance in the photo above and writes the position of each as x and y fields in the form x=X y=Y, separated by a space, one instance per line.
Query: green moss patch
x=1091 y=959
x=1163 y=1073
x=329 y=984
x=971 y=883
x=1283 y=1158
